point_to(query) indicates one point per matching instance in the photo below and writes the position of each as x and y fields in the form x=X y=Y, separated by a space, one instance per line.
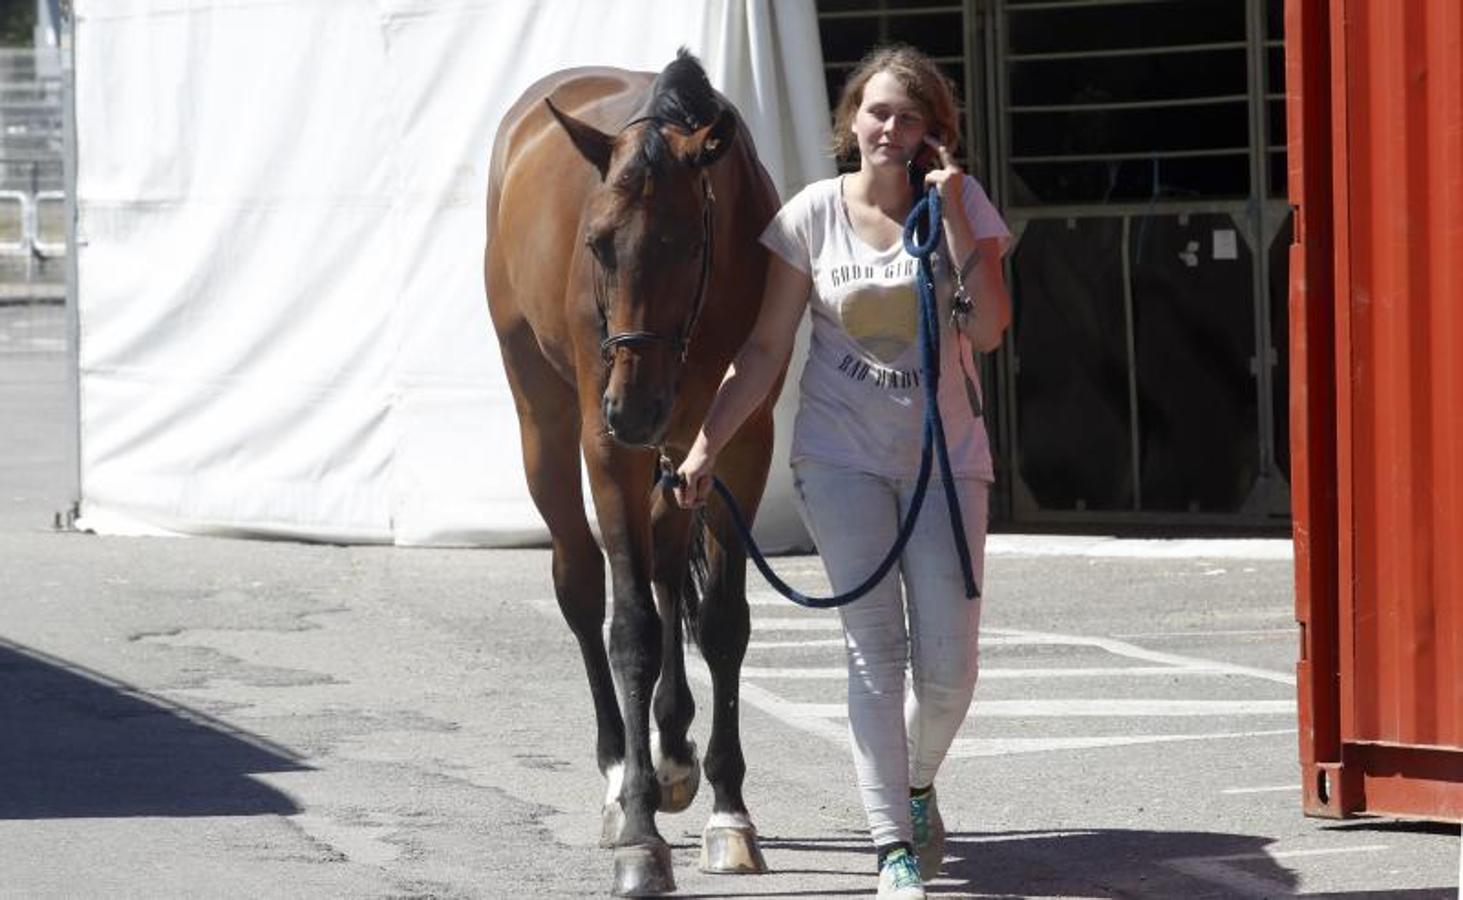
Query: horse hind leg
x=677 y=768
x=729 y=844
x=549 y=428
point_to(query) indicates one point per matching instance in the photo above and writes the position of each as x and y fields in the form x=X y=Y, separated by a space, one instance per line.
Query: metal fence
x=1140 y=160
x=32 y=181
x=1137 y=150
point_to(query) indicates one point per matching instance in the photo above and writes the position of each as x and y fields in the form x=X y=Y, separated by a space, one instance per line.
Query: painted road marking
x=1236 y=632
x=808 y=624
x=780 y=645
x=1122 y=648
x=838 y=673
x=1289 y=788
x=1128 y=548
x=753 y=600
x=1005 y=637
x=967 y=748
x=1318 y=851
x=1097 y=708
x=829 y=720
x=783 y=710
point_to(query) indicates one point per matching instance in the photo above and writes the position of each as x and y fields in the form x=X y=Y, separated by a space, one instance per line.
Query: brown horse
x=623 y=274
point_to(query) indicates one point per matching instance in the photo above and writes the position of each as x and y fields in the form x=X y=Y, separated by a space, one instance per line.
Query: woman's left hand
x=946 y=177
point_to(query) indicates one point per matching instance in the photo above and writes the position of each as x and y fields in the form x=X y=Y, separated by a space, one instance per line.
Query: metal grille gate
x=1137 y=150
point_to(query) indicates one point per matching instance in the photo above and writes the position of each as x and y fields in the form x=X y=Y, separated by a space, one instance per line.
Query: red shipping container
x=1375 y=125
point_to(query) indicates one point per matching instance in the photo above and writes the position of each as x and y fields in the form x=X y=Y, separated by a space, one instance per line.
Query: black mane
x=681 y=95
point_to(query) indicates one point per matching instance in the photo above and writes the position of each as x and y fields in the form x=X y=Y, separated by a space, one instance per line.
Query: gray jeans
x=899 y=740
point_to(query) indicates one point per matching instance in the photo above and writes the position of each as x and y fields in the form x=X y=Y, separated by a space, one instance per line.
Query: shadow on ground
x=1404 y=826
x=76 y=743
x=1108 y=863
x=1124 y=863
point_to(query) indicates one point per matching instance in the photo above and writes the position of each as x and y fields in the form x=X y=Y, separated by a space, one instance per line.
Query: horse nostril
x=635 y=421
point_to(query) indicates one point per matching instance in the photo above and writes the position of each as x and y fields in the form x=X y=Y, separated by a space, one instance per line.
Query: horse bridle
x=682 y=341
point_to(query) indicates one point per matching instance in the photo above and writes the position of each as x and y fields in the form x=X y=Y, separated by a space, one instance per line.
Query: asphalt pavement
x=223 y=718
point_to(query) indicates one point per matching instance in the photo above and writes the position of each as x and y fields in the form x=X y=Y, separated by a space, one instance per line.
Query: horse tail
x=698 y=576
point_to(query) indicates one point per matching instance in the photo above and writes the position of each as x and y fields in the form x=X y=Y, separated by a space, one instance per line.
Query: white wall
x=280 y=232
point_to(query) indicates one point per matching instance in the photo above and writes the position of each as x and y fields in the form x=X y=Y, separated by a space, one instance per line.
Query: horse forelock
x=680 y=96
x=652 y=153
x=683 y=95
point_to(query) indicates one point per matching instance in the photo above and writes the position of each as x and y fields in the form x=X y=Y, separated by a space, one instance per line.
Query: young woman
x=837 y=246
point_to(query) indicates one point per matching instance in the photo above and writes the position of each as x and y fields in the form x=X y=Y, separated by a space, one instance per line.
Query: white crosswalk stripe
x=817 y=663
x=966 y=748
x=838 y=673
x=1098 y=708
x=795 y=672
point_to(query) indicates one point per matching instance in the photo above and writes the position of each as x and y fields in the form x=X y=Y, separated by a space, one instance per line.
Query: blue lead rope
x=921 y=237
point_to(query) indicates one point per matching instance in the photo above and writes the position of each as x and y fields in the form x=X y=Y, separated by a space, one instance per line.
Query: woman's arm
x=750 y=376
x=987 y=280
x=987 y=287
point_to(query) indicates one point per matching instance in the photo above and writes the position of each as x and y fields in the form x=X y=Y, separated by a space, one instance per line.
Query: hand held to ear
x=946 y=176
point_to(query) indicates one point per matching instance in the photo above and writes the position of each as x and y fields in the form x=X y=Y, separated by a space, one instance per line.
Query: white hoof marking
x=614 y=780
x=730 y=820
x=670 y=771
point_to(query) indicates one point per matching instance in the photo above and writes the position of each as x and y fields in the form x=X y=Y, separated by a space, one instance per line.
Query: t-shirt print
x=861 y=393
x=882 y=319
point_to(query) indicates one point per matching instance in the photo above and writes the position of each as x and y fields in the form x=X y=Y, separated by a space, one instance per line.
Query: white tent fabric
x=280 y=230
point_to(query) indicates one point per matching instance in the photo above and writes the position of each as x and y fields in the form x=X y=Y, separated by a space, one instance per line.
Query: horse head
x=648 y=229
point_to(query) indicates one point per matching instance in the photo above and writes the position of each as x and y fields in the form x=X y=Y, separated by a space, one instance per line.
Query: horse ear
x=592 y=144
x=709 y=144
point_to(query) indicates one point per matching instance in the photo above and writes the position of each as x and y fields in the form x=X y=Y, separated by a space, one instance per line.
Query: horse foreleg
x=579 y=586
x=549 y=430
x=729 y=843
x=642 y=858
x=620 y=480
x=676 y=767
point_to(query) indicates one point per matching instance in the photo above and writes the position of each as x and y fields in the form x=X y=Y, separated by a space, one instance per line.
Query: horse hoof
x=732 y=851
x=675 y=796
x=643 y=870
x=678 y=781
x=611 y=820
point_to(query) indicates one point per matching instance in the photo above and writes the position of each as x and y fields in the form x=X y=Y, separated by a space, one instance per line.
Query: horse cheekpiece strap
x=682 y=341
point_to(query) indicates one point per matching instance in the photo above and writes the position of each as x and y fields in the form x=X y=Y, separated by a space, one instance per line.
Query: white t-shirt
x=862 y=403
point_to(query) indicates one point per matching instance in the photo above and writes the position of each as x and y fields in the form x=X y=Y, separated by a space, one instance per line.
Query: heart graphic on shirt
x=882 y=318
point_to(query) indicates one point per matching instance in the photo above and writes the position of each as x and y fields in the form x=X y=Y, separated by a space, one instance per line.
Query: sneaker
x=929 y=834
x=899 y=877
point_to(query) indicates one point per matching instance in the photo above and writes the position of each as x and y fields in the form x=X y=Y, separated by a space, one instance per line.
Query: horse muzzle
x=637 y=421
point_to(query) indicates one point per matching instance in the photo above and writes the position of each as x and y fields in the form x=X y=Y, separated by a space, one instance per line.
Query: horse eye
x=603 y=247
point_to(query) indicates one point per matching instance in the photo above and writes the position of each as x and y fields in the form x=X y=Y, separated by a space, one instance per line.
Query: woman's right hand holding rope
x=696 y=472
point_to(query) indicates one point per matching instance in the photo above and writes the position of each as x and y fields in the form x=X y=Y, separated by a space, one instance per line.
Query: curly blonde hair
x=922 y=80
